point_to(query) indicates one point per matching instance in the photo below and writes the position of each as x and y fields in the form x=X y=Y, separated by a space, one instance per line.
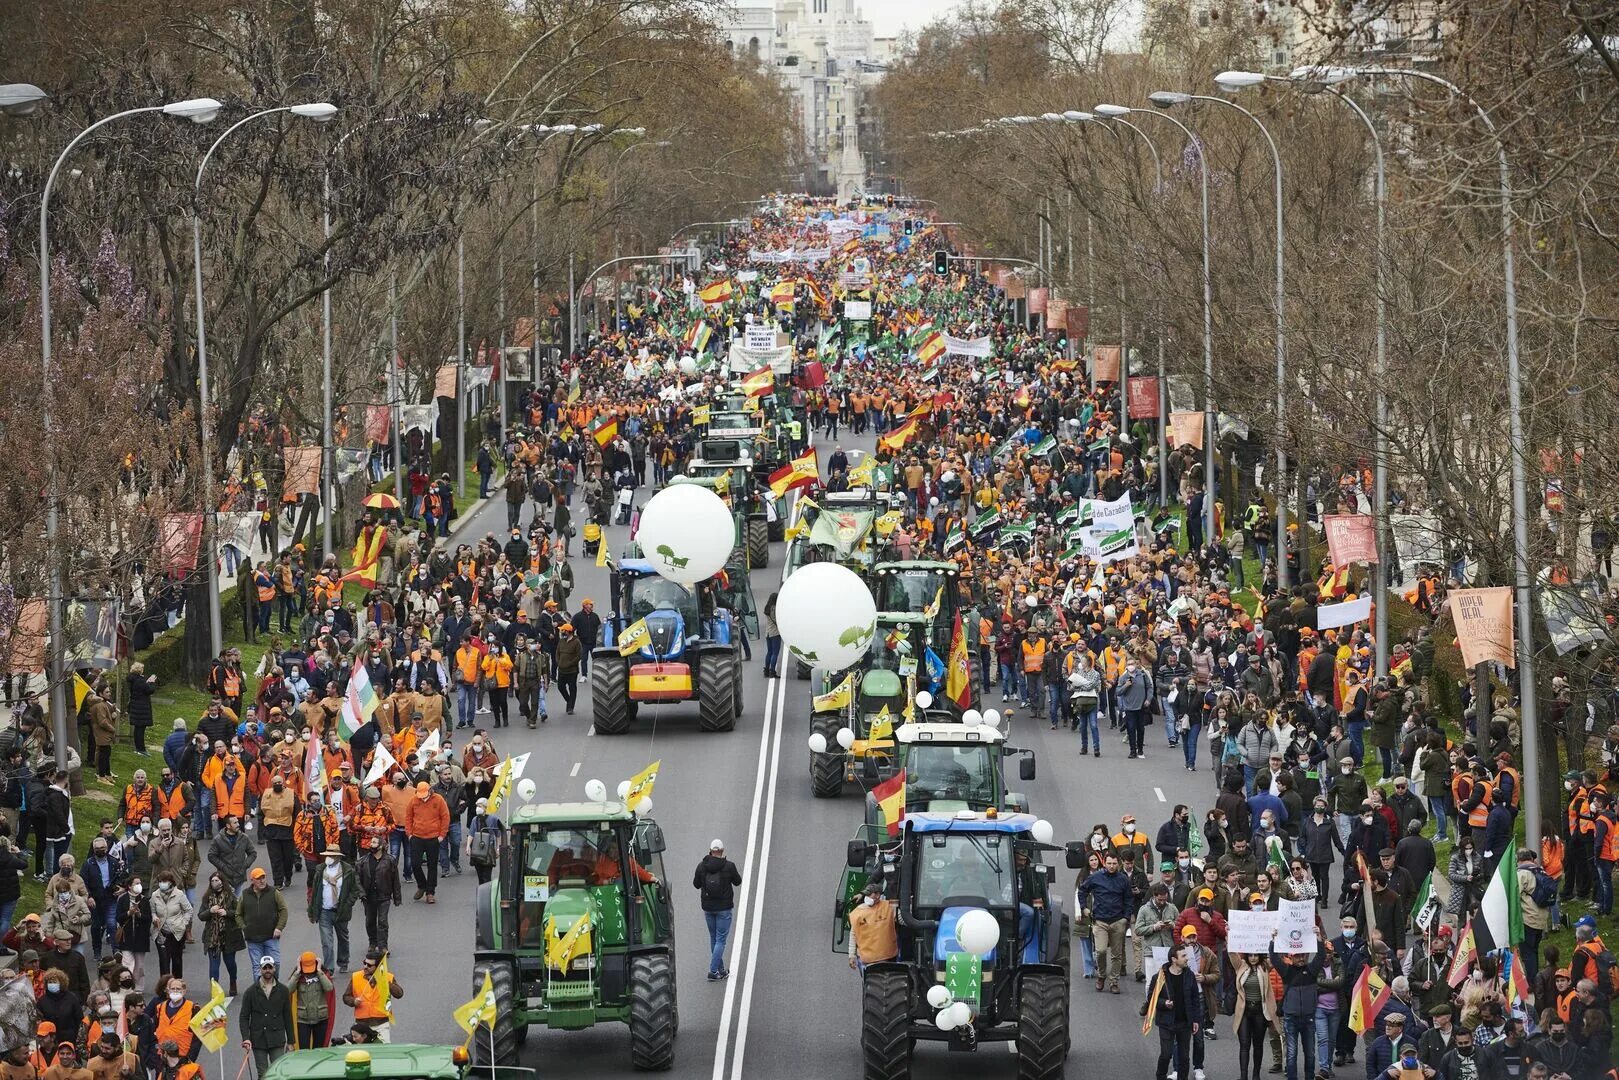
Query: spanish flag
x=759 y=383
x=931 y=348
x=958 y=683
x=781 y=294
x=605 y=430
x=717 y=293
x=1370 y=995
x=895 y=440
x=802 y=471
x=890 y=798
x=366 y=554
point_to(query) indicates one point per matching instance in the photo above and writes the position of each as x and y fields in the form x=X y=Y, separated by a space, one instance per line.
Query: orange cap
x=307 y=962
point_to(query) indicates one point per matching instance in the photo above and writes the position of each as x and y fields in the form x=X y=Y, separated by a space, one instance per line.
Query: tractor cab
x=671 y=610
x=576 y=926
x=945 y=871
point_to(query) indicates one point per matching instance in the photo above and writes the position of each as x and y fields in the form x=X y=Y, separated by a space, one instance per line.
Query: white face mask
x=136 y=888
x=871 y=901
x=1129 y=830
x=1347 y=769
x=477 y=744
x=177 y=996
x=167 y=886
x=331 y=860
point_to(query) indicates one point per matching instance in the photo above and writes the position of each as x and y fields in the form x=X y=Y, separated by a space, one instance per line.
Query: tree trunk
x=198 y=641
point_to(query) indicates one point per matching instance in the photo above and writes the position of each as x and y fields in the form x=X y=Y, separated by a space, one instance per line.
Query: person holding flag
x=1172 y=1008
x=371 y=994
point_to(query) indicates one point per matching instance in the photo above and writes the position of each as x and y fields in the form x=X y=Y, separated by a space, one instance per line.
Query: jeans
x=449 y=849
x=466 y=704
x=229 y=960
x=334 y=941
x=1248 y=775
x=258 y=950
x=425 y=848
x=1085 y=724
x=719 y=933
x=1436 y=810
x=1010 y=682
x=1604 y=900
x=1032 y=694
x=1057 y=703
x=1087 y=956
x=1385 y=755
x=1174 y=1047
x=102 y=924
x=1135 y=721
x=1326 y=1029
x=773 y=653
x=204 y=816
x=1356 y=730
x=1189 y=740
x=1171 y=735
x=284 y=611
x=1305 y=1032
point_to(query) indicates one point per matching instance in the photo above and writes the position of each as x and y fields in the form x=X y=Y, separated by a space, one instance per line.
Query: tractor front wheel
x=885 y=1023
x=652 y=1012
x=495 y=1044
x=801 y=670
x=826 y=770
x=1042 y=1033
x=610 y=694
x=757 y=535
x=717 y=679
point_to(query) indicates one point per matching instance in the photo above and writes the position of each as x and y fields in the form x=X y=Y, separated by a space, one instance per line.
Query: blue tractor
x=689 y=653
x=938 y=869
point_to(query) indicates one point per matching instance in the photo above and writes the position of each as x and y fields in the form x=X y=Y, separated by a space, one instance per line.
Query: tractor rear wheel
x=610 y=694
x=778 y=528
x=717 y=678
x=757 y=535
x=652 y=1012
x=826 y=770
x=1042 y=1033
x=885 y=1022
x=495 y=1044
x=801 y=670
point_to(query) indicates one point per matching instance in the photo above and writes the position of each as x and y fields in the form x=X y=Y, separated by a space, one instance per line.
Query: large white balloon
x=845 y=738
x=817 y=743
x=972 y=718
x=595 y=791
x=623 y=788
x=687 y=533
x=992 y=718
x=826 y=615
x=977 y=931
x=924 y=700
x=526 y=789
x=1042 y=831
x=938 y=996
x=688 y=366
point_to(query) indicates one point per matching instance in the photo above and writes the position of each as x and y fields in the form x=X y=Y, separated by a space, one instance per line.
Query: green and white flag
x=1194 y=838
x=1044 y=446
x=1500 y=914
x=953 y=539
x=1017 y=532
x=1068 y=515
x=1009 y=445
x=989 y=519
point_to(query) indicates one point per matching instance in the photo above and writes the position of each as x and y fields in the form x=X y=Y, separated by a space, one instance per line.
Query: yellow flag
x=209 y=1022
x=888 y=522
x=601 y=551
x=882 y=725
x=385 y=982
x=861 y=473
x=506 y=774
x=722 y=483
x=81 y=690
x=836 y=698
x=560 y=949
x=641 y=785
x=480 y=1010
x=932 y=610
x=699 y=414
x=634 y=636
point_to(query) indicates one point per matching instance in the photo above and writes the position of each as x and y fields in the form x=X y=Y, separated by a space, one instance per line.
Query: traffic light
x=910 y=226
x=941 y=262
x=890 y=201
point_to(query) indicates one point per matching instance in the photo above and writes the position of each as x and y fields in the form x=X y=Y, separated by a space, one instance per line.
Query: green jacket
x=261 y=913
x=309 y=1000
x=348 y=891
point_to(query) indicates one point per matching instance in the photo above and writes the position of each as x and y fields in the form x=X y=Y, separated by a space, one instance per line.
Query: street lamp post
x=320 y=112
x=1165 y=99
x=1208 y=323
x=21 y=99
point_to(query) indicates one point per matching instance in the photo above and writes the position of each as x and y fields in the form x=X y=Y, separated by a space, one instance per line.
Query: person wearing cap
x=716 y=878
x=365 y=995
x=331 y=906
x=427 y=823
x=265 y=1019
x=1346 y=793
x=570 y=660
x=263 y=914
x=1396 y=1040
x=311 y=1005
x=483 y=835
x=1131 y=839
x=873 y=933
x=1154 y=924
x=1436 y=1042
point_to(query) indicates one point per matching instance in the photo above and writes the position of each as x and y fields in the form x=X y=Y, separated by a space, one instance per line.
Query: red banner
x=182 y=542
x=1079 y=322
x=378 y=421
x=1037 y=300
x=1350 y=538
x=1142 y=396
x=1106 y=359
x=301 y=465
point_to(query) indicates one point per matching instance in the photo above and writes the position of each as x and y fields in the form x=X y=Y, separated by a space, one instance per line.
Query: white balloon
x=1042 y=831
x=595 y=791
x=972 y=718
x=826 y=615
x=938 y=996
x=961 y=1013
x=845 y=738
x=977 y=931
x=1032 y=602
x=687 y=533
x=817 y=743
x=945 y=1021
x=623 y=788
x=645 y=808
x=992 y=717
x=688 y=366
x=924 y=699
x=526 y=789
x=933 y=500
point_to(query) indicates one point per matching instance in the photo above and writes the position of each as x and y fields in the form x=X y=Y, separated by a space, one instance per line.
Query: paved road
x=791 y=1007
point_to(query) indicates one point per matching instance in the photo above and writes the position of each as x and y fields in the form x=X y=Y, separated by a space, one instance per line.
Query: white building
x=826 y=54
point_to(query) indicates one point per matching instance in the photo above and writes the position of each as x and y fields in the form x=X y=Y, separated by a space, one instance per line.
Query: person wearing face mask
x=331 y=906
x=1466 y=874
x=314 y=830
x=1345 y=795
x=173 y=1041
x=278 y=809
x=1349 y=952
x=171 y=921
x=232 y=852
x=134 y=923
x=1318 y=840
x=873 y=933
x=480 y=754
x=59 y=1004
x=1367 y=836
x=1129 y=839
x=1464 y=1061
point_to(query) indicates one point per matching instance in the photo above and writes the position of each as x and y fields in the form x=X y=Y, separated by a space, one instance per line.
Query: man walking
x=1108 y=896
x=265 y=1019
x=1134 y=692
x=1172 y=1008
x=427 y=823
x=331 y=905
x=263 y=915
x=716 y=880
x=379 y=889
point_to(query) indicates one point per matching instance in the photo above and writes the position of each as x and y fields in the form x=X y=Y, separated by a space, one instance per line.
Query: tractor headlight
x=582 y=963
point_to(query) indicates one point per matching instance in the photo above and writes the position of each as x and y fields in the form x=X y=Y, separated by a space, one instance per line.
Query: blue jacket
x=1380 y=1055
x=1497 y=830
x=1260 y=801
x=174 y=747
x=1107 y=895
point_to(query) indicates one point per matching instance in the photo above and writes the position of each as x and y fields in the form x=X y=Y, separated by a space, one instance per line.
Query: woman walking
x=222 y=936
x=772 y=640
x=171 y=922
x=134 y=936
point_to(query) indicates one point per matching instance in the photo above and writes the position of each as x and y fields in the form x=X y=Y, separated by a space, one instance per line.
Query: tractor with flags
x=932 y=590
x=576 y=928
x=727 y=467
x=983 y=938
x=664 y=643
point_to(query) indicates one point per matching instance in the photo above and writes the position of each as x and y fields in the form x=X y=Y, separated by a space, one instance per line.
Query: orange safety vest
x=265 y=584
x=137 y=804
x=1461 y=786
x=1479 y=816
x=1033 y=658
x=230 y=800
x=177 y=1026
x=1551 y=856
x=1517 y=783
x=368 y=999
x=1610 y=843
x=171 y=805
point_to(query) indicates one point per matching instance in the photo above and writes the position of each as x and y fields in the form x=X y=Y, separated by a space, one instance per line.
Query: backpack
x=716 y=887
x=1545 y=892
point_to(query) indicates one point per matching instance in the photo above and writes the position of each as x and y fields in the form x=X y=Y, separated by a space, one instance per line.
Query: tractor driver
x=605 y=869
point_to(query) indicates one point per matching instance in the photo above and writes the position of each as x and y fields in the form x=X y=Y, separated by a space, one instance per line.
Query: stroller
x=591 y=537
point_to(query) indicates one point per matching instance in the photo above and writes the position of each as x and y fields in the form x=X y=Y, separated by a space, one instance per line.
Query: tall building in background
x=828 y=57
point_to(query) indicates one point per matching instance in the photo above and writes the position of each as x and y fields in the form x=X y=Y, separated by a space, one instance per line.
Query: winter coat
x=232 y=857
x=378 y=873
x=172 y=911
x=1465 y=874
x=716 y=878
x=1319 y=840
x=140 y=701
x=1267 y=994
x=261 y=913
x=134 y=915
x=103 y=721
x=266 y=1016
x=220 y=933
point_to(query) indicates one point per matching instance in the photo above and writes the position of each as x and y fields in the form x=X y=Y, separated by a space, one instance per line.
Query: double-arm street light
x=21 y=100
x=320 y=112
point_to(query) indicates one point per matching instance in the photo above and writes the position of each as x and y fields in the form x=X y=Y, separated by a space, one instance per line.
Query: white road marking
x=764 y=869
x=1158 y=791
x=575 y=770
x=749 y=866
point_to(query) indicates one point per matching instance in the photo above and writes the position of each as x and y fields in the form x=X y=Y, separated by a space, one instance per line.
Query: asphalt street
x=791 y=1007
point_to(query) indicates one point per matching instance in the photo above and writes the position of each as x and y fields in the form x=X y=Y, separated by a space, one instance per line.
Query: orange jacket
x=429 y=818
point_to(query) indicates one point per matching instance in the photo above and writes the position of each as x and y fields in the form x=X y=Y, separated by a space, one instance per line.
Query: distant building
x=827 y=56
x=1397 y=32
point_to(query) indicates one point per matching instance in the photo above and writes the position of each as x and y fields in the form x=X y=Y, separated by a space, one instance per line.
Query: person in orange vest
x=230 y=793
x=364 y=996
x=1475 y=805
x=169 y=1016
x=1034 y=659
x=1605 y=842
x=170 y=1064
x=139 y=802
x=1508 y=783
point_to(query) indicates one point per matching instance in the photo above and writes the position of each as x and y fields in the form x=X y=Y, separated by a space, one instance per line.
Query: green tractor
x=945 y=871
x=932 y=589
x=576 y=928
x=727 y=466
x=379 y=1061
x=689 y=653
